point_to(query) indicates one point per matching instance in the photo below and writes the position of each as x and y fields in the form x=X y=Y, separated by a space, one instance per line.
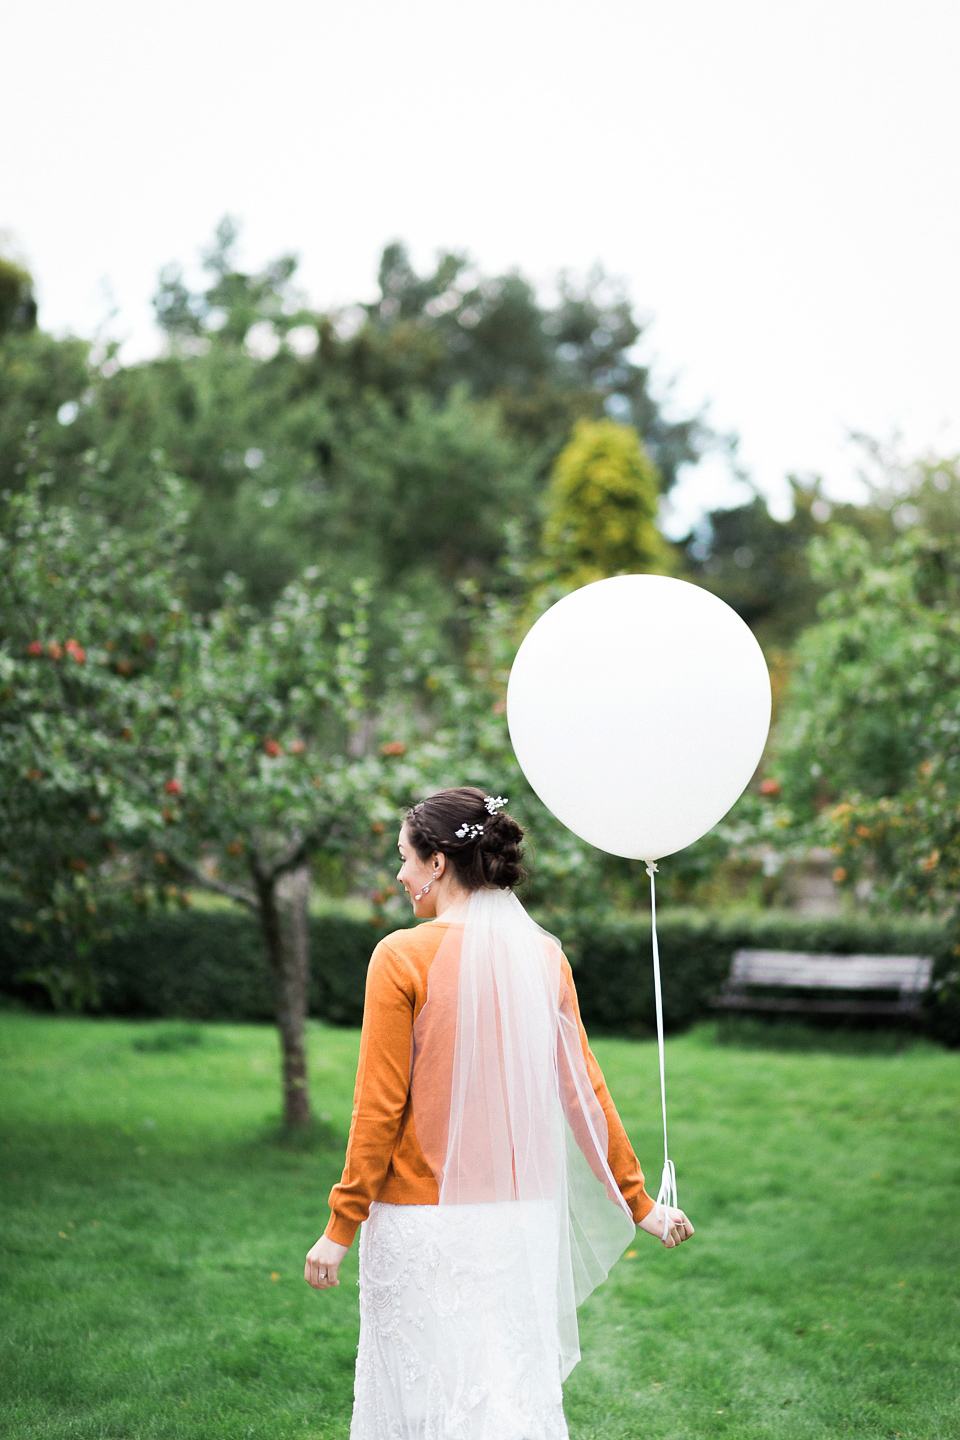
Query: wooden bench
x=866 y=975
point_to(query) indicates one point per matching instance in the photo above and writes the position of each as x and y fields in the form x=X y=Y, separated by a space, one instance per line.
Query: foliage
x=601 y=507
x=447 y=726
x=126 y=720
x=242 y=758
x=45 y=383
x=398 y=440
x=84 y=612
x=874 y=688
x=152 y=746
x=418 y=441
x=546 y=366
x=760 y=565
x=18 y=307
x=869 y=738
x=204 y=964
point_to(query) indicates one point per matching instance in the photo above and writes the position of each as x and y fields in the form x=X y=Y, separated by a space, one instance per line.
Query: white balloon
x=638 y=709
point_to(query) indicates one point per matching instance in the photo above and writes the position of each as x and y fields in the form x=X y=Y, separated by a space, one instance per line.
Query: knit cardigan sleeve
x=380 y=1094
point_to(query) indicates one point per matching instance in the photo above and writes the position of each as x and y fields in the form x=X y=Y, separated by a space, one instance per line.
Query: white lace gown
x=458 y=1324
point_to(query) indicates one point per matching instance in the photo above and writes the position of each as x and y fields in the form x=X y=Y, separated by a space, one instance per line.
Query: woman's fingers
x=678 y=1226
x=322 y=1264
x=681 y=1223
x=680 y=1229
x=320 y=1276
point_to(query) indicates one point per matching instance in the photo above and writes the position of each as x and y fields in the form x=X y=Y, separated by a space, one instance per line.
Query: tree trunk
x=283 y=910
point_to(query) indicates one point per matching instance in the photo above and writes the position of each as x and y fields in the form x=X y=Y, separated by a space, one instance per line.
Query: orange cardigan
x=384 y=1159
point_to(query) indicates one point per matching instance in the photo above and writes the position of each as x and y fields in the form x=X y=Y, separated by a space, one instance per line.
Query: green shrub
x=210 y=964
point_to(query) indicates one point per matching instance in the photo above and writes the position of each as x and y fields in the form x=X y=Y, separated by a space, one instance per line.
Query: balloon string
x=667 y=1194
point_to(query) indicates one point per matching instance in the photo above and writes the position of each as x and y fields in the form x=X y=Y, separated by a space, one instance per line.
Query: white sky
x=775 y=179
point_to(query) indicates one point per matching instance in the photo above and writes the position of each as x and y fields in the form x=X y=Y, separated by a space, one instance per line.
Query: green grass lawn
x=154 y=1231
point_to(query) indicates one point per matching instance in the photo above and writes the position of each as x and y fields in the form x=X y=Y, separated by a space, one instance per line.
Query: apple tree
x=145 y=750
x=248 y=762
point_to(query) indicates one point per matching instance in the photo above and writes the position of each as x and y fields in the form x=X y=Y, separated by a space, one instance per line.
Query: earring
x=426 y=887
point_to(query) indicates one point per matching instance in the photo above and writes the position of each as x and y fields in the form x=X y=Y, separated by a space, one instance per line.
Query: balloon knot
x=652 y=869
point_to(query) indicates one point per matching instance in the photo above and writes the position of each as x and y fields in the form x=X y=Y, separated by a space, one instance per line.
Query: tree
x=18 y=307
x=760 y=565
x=601 y=507
x=401 y=440
x=546 y=365
x=41 y=378
x=868 y=751
x=246 y=767
x=145 y=748
x=84 y=611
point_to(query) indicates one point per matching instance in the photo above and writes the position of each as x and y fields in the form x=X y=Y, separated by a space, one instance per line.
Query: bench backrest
x=910 y=974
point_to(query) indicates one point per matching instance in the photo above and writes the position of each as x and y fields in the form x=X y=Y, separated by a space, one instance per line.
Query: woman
x=486 y=1163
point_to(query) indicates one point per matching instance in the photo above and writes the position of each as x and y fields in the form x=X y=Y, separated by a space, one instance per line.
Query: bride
x=487 y=1168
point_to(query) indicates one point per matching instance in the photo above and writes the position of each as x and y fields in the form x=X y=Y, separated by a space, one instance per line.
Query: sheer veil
x=503 y=1105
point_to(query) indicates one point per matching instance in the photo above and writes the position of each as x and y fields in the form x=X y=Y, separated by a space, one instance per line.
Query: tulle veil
x=503 y=1105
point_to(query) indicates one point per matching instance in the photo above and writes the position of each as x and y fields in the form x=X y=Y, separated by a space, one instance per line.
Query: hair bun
x=500 y=853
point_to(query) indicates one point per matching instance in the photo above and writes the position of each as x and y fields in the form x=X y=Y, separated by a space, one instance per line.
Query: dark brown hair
x=488 y=853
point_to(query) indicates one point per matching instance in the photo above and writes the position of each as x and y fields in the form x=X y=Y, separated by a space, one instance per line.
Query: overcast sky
x=776 y=180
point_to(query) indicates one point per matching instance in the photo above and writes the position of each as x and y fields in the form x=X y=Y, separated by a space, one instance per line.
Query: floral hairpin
x=495 y=802
x=469 y=832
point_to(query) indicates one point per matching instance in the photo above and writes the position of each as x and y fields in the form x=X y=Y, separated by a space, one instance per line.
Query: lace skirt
x=458 y=1324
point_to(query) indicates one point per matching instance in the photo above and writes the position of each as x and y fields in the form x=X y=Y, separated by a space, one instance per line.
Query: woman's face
x=415 y=873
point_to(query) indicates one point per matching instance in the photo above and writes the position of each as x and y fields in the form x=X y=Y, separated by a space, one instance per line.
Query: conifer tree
x=601 y=508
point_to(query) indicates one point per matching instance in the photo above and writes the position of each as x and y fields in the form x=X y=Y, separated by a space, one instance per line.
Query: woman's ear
x=439 y=862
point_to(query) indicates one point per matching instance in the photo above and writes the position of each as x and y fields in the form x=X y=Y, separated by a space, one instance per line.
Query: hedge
x=210 y=964
x=205 y=965
x=612 y=962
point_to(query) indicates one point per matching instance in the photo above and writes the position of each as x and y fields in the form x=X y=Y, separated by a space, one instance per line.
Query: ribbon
x=667 y=1194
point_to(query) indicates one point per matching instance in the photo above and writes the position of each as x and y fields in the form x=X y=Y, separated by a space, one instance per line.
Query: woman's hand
x=323 y=1262
x=680 y=1228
